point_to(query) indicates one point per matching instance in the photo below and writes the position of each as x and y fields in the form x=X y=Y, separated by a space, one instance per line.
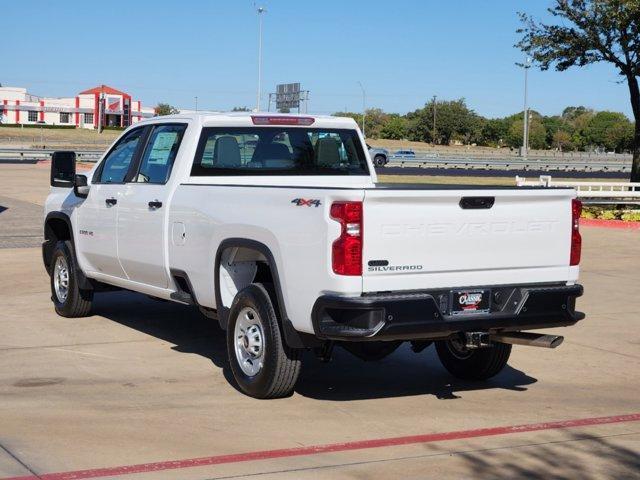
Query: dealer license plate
x=470 y=301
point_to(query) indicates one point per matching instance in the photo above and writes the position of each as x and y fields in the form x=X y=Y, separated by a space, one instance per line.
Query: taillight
x=346 y=255
x=576 y=239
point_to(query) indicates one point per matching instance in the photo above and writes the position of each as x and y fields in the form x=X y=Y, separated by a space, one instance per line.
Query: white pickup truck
x=275 y=226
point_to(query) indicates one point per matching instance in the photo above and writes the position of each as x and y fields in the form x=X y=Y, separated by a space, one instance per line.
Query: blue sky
x=403 y=52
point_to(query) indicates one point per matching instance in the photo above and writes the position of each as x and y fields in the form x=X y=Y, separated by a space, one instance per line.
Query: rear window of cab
x=254 y=151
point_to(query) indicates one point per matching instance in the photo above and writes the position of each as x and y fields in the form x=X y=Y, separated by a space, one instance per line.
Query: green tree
x=165 y=109
x=395 y=128
x=611 y=130
x=578 y=126
x=240 y=109
x=571 y=113
x=552 y=125
x=561 y=140
x=494 y=132
x=537 y=134
x=591 y=31
x=454 y=121
x=374 y=122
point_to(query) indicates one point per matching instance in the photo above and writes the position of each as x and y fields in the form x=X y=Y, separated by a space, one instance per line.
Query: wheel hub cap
x=61 y=279
x=249 y=348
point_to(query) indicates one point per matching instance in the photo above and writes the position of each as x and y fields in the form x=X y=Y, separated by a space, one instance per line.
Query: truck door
x=97 y=217
x=143 y=209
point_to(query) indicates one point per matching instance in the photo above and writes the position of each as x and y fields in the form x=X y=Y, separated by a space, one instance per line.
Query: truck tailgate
x=423 y=238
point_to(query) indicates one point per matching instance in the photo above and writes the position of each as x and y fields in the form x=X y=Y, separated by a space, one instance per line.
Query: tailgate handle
x=477 y=202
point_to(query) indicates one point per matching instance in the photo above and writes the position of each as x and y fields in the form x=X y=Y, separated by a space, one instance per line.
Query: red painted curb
x=330 y=448
x=617 y=224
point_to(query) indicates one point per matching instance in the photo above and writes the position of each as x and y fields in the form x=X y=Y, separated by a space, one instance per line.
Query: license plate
x=470 y=301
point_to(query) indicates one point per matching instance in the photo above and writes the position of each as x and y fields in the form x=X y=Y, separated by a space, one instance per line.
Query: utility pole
x=196 y=103
x=434 y=119
x=525 y=134
x=364 y=107
x=261 y=10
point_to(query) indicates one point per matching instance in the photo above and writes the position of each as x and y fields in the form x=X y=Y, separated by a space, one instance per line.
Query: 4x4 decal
x=303 y=202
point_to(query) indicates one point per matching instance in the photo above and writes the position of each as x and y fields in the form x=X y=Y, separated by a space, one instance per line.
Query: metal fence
x=591 y=192
x=483 y=161
x=26 y=154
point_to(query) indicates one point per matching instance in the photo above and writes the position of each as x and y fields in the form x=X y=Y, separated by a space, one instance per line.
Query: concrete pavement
x=143 y=381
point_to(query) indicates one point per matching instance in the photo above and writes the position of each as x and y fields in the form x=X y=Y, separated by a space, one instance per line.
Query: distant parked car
x=380 y=156
x=405 y=154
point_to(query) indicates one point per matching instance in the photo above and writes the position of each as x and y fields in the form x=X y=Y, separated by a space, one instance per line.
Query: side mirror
x=80 y=187
x=63 y=169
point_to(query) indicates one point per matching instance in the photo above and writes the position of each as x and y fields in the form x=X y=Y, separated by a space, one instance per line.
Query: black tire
x=379 y=160
x=77 y=302
x=280 y=364
x=477 y=364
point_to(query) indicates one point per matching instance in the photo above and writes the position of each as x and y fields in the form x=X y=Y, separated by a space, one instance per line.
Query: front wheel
x=262 y=364
x=68 y=298
x=472 y=364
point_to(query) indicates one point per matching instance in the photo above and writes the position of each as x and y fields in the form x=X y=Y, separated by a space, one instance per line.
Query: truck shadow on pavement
x=403 y=373
x=346 y=377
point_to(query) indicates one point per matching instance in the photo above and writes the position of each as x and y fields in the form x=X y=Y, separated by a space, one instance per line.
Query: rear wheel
x=472 y=364
x=262 y=364
x=68 y=298
x=380 y=160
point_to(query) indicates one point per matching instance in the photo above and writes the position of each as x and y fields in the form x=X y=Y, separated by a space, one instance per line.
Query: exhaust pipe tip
x=529 y=339
x=556 y=342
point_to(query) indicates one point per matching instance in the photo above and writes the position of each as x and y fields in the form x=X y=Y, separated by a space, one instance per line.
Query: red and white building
x=116 y=108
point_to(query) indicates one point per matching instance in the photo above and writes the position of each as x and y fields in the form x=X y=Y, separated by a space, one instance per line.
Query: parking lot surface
x=141 y=389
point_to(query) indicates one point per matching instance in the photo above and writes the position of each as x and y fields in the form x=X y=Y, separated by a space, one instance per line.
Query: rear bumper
x=426 y=315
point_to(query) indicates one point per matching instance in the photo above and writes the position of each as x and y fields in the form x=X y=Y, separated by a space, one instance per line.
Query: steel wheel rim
x=458 y=349
x=249 y=342
x=61 y=279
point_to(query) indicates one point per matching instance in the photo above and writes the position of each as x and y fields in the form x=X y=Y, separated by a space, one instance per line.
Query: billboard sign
x=113 y=104
x=288 y=96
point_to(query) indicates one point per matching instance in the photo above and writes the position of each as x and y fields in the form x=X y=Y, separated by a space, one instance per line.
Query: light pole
x=364 y=106
x=196 y=103
x=261 y=10
x=525 y=134
x=434 y=119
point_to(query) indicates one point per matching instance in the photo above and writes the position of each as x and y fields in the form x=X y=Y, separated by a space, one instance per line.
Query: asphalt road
x=140 y=390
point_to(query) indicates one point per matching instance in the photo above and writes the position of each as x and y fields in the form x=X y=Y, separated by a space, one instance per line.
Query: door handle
x=155 y=204
x=111 y=201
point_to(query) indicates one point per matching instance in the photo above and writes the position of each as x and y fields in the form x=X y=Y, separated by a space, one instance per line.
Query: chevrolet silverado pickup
x=275 y=226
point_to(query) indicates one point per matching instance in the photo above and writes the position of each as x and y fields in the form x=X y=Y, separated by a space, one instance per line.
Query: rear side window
x=232 y=151
x=116 y=164
x=160 y=153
